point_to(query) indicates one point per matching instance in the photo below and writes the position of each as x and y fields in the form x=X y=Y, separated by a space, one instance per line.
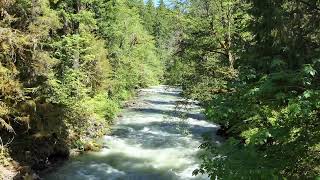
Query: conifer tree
x=149 y=16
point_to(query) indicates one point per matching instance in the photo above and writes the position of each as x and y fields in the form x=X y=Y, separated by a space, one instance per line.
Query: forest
x=68 y=66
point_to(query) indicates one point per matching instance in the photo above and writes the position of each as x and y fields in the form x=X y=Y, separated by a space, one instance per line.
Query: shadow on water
x=166 y=129
x=157 y=142
x=172 y=113
x=158 y=135
x=173 y=93
x=161 y=102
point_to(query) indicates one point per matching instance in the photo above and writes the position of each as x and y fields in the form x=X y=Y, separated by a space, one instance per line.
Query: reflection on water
x=151 y=142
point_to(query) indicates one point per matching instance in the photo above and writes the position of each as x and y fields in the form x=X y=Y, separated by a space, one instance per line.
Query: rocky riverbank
x=43 y=154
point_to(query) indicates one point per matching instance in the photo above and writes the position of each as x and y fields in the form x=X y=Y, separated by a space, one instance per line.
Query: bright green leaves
x=132 y=48
x=76 y=60
x=148 y=16
x=256 y=136
x=44 y=20
x=254 y=66
x=102 y=105
x=86 y=20
x=309 y=74
x=308 y=69
x=231 y=160
x=70 y=88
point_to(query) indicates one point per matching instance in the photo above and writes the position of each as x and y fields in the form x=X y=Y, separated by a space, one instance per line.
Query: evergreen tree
x=265 y=73
x=65 y=67
x=149 y=16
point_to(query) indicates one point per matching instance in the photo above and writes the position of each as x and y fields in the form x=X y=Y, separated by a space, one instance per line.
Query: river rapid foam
x=152 y=141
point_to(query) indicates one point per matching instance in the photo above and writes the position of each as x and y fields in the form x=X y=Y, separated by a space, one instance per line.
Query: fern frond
x=5 y=125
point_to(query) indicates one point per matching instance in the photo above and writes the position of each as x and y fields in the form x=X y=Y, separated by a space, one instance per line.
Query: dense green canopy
x=254 y=66
x=66 y=66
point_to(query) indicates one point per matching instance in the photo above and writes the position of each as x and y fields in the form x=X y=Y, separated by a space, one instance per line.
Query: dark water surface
x=149 y=142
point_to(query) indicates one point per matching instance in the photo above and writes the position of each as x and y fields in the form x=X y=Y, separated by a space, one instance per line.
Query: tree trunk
x=231 y=59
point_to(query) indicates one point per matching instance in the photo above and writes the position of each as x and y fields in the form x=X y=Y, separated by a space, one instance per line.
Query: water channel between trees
x=152 y=140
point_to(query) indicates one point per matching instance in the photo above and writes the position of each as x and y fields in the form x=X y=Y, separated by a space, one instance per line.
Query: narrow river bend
x=150 y=141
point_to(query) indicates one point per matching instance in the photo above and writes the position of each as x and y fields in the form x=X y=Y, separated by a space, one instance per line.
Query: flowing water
x=150 y=141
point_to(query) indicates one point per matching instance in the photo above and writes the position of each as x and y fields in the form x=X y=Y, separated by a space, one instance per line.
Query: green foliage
x=149 y=15
x=66 y=66
x=133 y=53
x=102 y=106
x=254 y=66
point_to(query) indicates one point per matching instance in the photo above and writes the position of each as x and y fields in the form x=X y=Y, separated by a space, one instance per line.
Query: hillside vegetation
x=254 y=66
x=67 y=66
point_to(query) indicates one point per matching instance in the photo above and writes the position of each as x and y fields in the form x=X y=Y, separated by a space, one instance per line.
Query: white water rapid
x=150 y=141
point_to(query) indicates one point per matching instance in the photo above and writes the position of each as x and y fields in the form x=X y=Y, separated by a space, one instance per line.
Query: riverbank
x=43 y=153
x=157 y=126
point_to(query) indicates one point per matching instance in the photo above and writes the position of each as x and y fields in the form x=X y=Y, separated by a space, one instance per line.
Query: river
x=152 y=140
